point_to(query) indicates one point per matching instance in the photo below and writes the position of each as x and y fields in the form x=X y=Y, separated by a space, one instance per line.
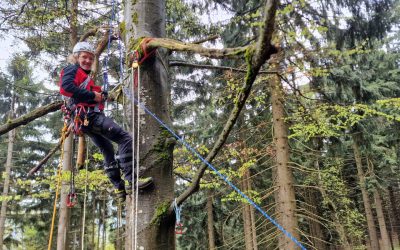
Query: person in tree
x=76 y=83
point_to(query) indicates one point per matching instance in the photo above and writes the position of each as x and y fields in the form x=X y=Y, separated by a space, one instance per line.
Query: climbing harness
x=178 y=223
x=63 y=136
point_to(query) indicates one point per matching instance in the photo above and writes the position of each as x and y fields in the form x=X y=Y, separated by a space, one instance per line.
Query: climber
x=76 y=84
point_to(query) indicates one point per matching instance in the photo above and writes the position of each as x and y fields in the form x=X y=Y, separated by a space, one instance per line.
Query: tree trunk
x=367 y=204
x=73 y=37
x=6 y=185
x=146 y=18
x=210 y=221
x=385 y=242
x=253 y=226
x=92 y=244
x=316 y=232
x=393 y=217
x=285 y=198
x=249 y=234
x=63 y=220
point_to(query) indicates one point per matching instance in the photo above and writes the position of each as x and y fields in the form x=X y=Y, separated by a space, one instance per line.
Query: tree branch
x=45 y=159
x=210 y=38
x=89 y=33
x=25 y=119
x=195 y=48
x=208 y=66
x=256 y=58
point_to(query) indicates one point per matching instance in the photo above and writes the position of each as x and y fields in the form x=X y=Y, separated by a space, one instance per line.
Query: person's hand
x=98 y=97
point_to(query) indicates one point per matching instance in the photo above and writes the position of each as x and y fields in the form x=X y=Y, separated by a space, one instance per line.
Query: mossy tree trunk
x=146 y=18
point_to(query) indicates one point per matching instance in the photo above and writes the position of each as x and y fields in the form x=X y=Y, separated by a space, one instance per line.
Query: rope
x=223 y=177
x=135 y=149
x=85 y=197
x=63 y=136
x=137 y=159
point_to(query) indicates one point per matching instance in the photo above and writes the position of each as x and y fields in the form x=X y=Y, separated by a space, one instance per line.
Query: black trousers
x=102 y=130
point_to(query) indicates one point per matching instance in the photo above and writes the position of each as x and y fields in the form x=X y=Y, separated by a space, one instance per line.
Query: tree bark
x=63 y=221
x=154 y=230
x=385 y=242
x=367 y=204
x=31 y=116
x=210 y=221
x=316 y=232
x=285 y=198
x=248 y=216
x=393 y=216
x=6 y=184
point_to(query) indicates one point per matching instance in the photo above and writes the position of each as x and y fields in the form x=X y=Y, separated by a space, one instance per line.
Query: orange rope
x=63 y=135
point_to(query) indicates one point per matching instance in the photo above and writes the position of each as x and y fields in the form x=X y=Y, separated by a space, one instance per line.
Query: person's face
x=85 y=60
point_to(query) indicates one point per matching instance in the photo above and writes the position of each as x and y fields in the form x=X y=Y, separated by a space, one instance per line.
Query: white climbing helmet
x=83 y=46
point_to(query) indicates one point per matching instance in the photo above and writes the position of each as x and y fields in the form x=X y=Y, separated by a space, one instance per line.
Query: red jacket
x=70 y=78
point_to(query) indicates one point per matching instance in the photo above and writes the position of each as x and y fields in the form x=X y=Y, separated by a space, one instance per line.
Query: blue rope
x=289 y=235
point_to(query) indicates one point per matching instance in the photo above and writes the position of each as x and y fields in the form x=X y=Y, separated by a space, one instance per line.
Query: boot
x=120 y=195
x=143 y=184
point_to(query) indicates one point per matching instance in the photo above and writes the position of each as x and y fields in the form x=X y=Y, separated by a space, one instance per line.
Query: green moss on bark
x=160 y=213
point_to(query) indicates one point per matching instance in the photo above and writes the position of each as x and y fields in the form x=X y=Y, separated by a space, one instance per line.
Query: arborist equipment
x=178 y=223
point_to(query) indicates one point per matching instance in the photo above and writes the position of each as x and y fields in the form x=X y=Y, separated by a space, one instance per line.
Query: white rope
x=137 y=159
x=133 y=238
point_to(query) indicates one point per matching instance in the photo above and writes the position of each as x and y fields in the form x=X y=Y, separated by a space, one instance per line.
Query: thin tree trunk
x=253 y=226
x=367 y=204
x=104 y=225
x=63 y=221
x=385 y=242
x=6 y=185
x=316 y=232
x=286 y=201
x=246 y=215
x=393 y=217
x=94 y=220
x=146 y=18
x=210 y=221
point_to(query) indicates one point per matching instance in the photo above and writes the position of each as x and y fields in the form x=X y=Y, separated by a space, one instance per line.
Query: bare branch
x=33 y=115
x=45 y=159
x=210 y=38
x=89 y=33
x=208 y=66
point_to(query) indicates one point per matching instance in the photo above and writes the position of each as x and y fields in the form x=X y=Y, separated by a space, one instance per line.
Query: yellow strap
x=63 y=135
